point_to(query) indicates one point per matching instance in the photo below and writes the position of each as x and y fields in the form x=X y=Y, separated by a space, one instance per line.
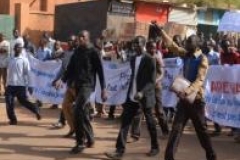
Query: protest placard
x=223 y=95
x=117 y=78
x=41 y=76
x=173 y=68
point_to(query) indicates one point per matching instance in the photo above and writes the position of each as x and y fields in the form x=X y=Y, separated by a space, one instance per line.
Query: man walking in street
x=160 y=115
x=194 y=70
x=17 y=82
x=17 y=38
x=141 y=95
x=43 y=52
x=82 y=69
x=162 y=119
x=70 y=95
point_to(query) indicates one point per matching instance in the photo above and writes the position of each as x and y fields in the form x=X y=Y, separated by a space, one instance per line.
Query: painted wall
x=146 y=12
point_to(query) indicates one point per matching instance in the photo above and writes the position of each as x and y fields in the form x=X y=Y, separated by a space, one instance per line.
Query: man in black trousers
x=195 y=71
x=17 y=82
x=82 y=69
x=151 y=48
x=141 y=94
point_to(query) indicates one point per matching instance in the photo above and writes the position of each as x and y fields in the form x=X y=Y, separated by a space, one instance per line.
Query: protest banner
x=41 y=76
x=222 y=89
x=117 y=78
x=173 y=68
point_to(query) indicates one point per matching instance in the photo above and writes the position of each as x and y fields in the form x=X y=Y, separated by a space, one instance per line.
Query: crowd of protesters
x=81 y=61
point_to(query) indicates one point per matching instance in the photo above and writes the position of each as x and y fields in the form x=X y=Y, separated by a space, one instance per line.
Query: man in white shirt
x=151 y=48
x=17 y=82
x=50 y=40
x=4 y=55
x=43 y=52
x=17 y=39
x=141 y=96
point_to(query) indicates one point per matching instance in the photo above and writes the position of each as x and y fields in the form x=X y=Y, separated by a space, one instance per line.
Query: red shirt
x=230 y=58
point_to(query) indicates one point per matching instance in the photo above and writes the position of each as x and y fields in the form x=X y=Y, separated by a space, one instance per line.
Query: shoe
x=77 y=149
x=237 y=139
x=12 y=122
x=58 y=125
x=38 y=116
x=153 y=152
x=98 y=115
x=211 y=156
x=164 y=136
x=104 y=112
x=111 y=117
x=230 y=134
x=90 y=144
x=132 y=139
x=55 y=106
x=69 y=135
x=39 y=103
x=170 y=157
x=114 y=155
x=215 y=133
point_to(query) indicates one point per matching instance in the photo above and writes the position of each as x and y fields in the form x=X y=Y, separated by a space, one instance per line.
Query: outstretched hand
x=182 y=95
x=157 y=26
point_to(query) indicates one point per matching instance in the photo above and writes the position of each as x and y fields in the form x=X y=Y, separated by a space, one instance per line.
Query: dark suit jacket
x=146 y=78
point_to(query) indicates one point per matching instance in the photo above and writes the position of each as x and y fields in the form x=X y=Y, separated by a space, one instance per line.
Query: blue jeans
x=21 y=94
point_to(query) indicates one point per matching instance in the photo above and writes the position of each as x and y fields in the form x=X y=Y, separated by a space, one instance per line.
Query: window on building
x=43 y=5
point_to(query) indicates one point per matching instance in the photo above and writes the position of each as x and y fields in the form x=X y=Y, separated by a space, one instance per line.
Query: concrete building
x=32 y=16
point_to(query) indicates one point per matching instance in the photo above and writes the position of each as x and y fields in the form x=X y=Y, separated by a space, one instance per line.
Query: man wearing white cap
x=17 y=81
x=17 y=40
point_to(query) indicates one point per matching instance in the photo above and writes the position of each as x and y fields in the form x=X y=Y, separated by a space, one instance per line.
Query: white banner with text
x=223 y=95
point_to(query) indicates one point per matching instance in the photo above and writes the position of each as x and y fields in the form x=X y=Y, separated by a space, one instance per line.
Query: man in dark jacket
x=141 y=94
x=81 y=72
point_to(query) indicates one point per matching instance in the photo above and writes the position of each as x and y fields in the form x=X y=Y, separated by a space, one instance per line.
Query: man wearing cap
x=17 y=81
x=4 y=55
x=16 y=39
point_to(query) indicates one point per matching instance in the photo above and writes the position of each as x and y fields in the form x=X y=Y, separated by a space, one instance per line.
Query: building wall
x=185 y=16
x=37 y=24
x=4 y=6
x=32 y=16
x=35 y=5
x=210 y=16
x=72 y=18
x=121 y=27
x=146 y=12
